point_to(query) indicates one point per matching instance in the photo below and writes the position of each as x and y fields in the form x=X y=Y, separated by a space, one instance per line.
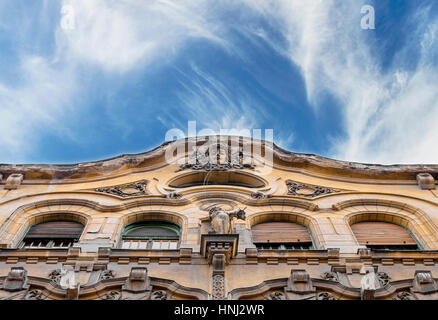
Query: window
x=52 y=234
x=281 y=235
x=223 y=178
x=383 y=235
x=158 y=235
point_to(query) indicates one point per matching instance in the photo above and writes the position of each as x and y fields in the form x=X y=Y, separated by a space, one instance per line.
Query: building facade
x=208 y=220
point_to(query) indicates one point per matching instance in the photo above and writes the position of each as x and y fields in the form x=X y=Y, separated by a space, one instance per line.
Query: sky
x=84 y=80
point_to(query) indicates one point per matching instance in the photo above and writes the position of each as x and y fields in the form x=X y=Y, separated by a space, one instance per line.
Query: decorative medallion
x=325 y=296
x=331 y=276
x=218 y=292
x=307 y=190
x=383 y=278
x=159 y=295
x=35 y=295
x=276 y=295
x=126 y=190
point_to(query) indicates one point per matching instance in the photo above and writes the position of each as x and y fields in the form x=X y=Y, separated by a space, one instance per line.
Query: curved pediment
x=156 y=158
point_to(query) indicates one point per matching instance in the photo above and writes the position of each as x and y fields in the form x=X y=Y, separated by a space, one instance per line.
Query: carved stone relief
x=307 y=190
x=218 y=288
x=173 y=195
x=112 y=295
x=383 y=278
x=260 y=195
x=16 y=279
x=216 y=157
x=325 y=296
x=221 y=219
x=35 y=295
x=106 y=274
x=276 y=295
x=404 y=295
x=126 y=190
x=159 y=295
x=331 y=276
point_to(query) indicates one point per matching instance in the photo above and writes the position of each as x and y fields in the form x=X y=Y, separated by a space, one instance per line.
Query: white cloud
x=125 y=34
x=33 y=106
x=388 y=116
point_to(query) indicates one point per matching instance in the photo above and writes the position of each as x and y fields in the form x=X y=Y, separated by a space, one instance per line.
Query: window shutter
x=381 y=233
x=56 y=230
x=280 y=232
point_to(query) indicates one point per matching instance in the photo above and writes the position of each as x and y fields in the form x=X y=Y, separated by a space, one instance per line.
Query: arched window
x=151 y=235
x=281 y=235
x=383 y=235
x=53 y=234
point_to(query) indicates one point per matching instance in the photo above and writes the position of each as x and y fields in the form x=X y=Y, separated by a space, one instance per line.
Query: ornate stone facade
x=214 y=253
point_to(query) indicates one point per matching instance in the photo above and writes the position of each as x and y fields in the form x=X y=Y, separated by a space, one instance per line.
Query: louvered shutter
x=56 y=230
x=381 y=233
x=280 y=232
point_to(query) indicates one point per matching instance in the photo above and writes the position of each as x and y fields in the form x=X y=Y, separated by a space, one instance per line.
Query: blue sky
x=130 y=70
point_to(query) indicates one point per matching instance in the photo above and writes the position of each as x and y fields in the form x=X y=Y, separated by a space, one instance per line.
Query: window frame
x=152 y=240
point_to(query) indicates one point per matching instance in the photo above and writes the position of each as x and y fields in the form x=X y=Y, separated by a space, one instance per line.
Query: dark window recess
x=284 y=246
x=53 y=234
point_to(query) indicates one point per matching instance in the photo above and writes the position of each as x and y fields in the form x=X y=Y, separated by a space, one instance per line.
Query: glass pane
x=173 y=245
x=126 y=245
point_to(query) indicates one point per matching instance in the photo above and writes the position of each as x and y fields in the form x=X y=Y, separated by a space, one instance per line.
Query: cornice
x=155 y=159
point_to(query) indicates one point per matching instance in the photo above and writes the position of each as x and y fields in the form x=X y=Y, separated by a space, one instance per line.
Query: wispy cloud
x=120 y=35
x=388 y=115
x=33 y=106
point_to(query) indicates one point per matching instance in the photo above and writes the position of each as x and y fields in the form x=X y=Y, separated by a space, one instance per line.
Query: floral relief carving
x=112 y=295
x=218 y=292
x=331 y=276
x=325 y=296
x=307 y=190
x=260 y=195
x=35 y=295
x=276 y=295
x=201 y=159
x=404 y=295
x=383 y=278
x=159 y=295
x=107 y=274
x=126 y=190
x=55 y=276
